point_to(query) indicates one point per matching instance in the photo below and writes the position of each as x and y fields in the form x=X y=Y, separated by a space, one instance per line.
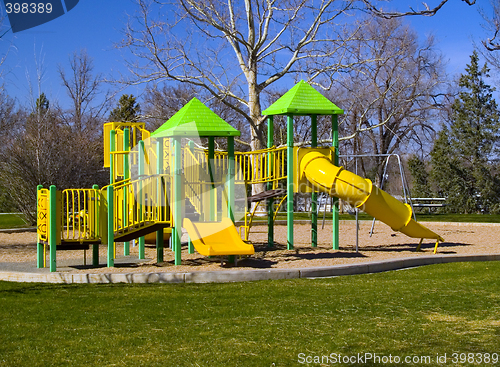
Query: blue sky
x=95 y=26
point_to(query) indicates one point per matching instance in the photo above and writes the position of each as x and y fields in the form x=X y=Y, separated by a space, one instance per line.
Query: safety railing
x=80 y=215
x=266 y=165
x=261 y=166
x=140 y=203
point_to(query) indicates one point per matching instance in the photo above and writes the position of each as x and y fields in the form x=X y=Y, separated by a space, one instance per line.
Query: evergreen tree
x=420 y=187
x=127 y=110
x=462 y=156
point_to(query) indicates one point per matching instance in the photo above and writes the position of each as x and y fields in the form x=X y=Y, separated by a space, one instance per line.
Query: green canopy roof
x=302 y=99
x=195 y=119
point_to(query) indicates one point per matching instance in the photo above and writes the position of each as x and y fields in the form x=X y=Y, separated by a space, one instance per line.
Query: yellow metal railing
x=140 y=203
x=80 y=215
x=266 y=165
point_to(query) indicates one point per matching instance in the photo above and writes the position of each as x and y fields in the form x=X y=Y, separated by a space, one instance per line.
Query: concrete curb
x=243 y=275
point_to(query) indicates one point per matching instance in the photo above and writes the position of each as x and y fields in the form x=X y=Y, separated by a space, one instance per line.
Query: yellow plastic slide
x=217 y=238
x=361 y=193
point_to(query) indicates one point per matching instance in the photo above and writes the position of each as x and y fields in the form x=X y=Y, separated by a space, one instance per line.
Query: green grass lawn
x=8 y=221
x=426 y=311
x=12 y=221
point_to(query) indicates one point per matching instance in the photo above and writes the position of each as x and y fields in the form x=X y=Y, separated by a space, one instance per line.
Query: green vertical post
x=230 y=181
x=142 y=198
x=111 y=226
x=190 y=243
x=230 y=185
x=178 y=200
x=159 y=199
x=112 y=148
x=95 y=246
x=289 y=181
x=335 y=219
x=40 y=255
x=126 y=175
x=314 y=195
x=111 y=244
x=270 y=163
x=212 y=192
x=53 y=227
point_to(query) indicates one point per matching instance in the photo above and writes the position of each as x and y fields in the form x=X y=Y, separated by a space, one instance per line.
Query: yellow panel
x=43 y=215
x=119 y=148
x=106 y=129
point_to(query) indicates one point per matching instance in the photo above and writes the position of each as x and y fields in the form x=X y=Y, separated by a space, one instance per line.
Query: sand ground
x=461 y=238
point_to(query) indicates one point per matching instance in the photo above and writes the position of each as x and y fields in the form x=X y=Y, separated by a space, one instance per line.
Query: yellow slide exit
x=217 y=238
x=362 y=194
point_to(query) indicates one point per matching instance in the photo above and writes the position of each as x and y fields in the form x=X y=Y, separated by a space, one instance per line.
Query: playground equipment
x=216 y=239
x=155 y=177
x=319 y=170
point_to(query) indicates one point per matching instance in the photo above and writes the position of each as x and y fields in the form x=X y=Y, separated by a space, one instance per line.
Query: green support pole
x=211 y=155
x=53 y=227
x=126 y=175
x=335 y=219
x=95 y=246
x=159 y=199
x=270 y=202
x=112 y=148
x=230 y=182
x=111 y=244
x=314 y=195
x=177 y=200
x=159 y=246
x=190 y=243
x=40 y=255
x=142 y=161
x=111 y=229
x=289 y=181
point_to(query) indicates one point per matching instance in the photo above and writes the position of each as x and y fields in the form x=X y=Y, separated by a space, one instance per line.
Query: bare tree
x=492 y=25
x=161 y=103
x=33 y=157
x=237 y=51
x=390 y=103
x=10 y=118
x=83 y=88
x=233 y=52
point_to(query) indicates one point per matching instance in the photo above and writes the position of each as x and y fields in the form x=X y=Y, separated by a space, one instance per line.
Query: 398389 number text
x=26 y=8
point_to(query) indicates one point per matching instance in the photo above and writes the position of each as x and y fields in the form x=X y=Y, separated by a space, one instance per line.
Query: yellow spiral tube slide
x=362 y=194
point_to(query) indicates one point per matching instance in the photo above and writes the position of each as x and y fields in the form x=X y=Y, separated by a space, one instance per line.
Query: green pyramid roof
x=302 y=99
x=195 y=119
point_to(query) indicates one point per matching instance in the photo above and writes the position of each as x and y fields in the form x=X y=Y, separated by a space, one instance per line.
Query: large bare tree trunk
x=256 y=129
